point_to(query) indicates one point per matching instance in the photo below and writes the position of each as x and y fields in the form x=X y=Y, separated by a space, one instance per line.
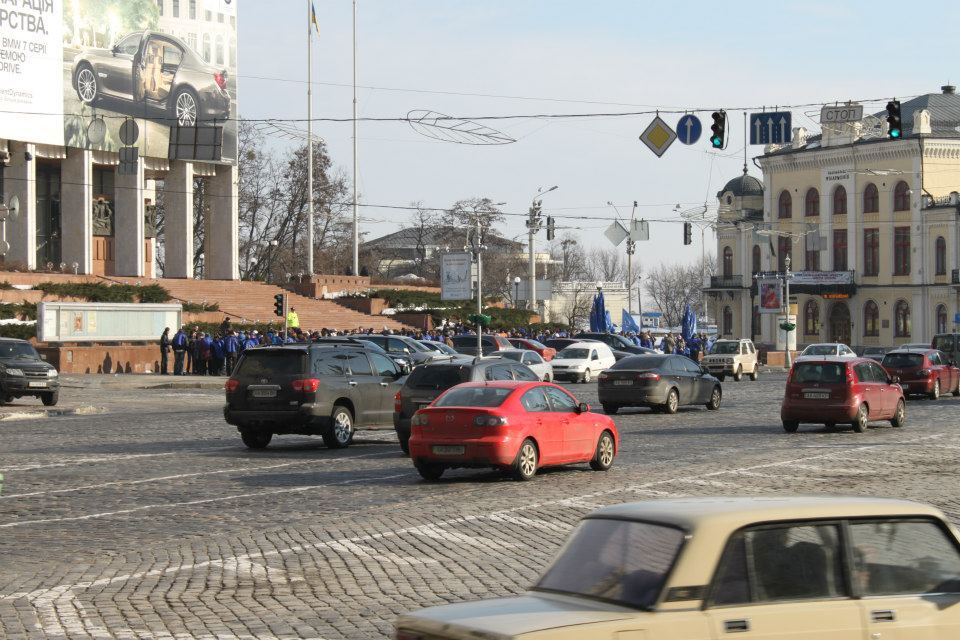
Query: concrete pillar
x=178 y=221
x=128 y=233
x=76 y=201
x=20 y=179
x=221 y=261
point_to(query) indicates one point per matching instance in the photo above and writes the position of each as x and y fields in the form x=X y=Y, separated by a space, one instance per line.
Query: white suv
x=733 y=358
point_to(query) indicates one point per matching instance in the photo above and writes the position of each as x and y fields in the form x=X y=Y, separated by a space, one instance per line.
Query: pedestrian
x=206 y=354
x=164 y=350
x=225 y=326
x=293 y=320
x=231 y=349
x=196 y=346
x=695 y=346
x=219 y=356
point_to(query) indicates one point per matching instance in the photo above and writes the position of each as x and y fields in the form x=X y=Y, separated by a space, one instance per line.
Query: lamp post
x=516 y=292
x=533 y=226
x=786 y=302
x=476 y=247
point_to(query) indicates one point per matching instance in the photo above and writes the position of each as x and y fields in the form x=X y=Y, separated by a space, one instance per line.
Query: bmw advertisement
x=82 y=68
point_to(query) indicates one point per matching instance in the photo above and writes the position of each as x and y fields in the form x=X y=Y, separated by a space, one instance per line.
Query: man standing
x=231 y=348
x=218 y=356
x=164 y=350
x=293 y=320
x=179 y=350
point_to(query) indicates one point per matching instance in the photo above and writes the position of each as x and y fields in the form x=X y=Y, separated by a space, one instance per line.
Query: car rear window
x=464 y=341
x=437 y=377
x=826 y=372
x=820 y=350
x=273 y=362
x=643 y=363
x=943 y=343
x=573 y=354
x=474 y=397
x=901 y=360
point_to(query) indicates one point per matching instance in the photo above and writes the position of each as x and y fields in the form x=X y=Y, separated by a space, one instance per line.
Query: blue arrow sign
x=771 y=127
x=689 y=129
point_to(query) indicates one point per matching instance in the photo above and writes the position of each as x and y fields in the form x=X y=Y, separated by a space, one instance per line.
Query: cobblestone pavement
x=151 y=520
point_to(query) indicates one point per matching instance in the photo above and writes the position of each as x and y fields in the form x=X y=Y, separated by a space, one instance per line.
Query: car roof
x=18 y=340
x=925 y=350
x=505 y=384
x=826 y=344
x=586 y=344
x=838 y=359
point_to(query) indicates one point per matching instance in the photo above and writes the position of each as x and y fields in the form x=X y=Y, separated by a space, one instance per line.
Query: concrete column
x=178 y=221
x=76 y=201
x=221 y=261
x=20 y=179
x=128 y=233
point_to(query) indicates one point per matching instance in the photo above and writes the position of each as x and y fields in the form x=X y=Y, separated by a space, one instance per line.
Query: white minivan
x=582 y=361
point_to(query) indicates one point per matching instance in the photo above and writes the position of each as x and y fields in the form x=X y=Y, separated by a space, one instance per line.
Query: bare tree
x=569 y=258
x=575 y=308
x=423 y=223
x=466 y=212
x=607 y=264
x=674 y=286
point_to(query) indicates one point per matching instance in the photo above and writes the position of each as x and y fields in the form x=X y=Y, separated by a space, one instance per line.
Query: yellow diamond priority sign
x=658 y=136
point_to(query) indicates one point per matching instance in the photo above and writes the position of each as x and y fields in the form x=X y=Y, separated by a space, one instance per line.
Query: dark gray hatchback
x=310 y=389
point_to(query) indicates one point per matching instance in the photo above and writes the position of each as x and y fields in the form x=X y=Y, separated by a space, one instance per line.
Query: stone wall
x=118 y=358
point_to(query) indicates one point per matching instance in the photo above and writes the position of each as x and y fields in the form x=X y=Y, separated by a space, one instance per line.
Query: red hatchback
x=514 y=426
x=545 y=352
x=922 y=372
x=832 y=390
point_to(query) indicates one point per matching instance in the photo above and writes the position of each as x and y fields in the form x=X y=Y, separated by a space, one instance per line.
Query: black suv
x=425 y=383
x=24 y=373
x=616 y=342
x=310 y=389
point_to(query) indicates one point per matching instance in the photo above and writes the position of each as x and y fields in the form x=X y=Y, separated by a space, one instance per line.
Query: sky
x=512 y=57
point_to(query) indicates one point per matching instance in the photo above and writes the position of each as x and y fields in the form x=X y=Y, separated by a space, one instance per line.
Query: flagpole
x=309 y=138
x=356 y=229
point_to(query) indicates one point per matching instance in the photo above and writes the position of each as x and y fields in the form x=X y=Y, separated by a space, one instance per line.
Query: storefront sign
x=823 y=278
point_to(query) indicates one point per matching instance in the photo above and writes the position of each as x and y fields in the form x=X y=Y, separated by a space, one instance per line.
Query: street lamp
x=516 y=292
x=533 y=226
x=786 y=315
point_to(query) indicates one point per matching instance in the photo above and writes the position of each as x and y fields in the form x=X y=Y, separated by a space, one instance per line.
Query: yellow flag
x=313 y=18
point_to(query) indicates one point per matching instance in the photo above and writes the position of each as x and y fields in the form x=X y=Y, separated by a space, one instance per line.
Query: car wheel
x=587 y=376
x=738 y=374
x=791 y=426
x=715 y=398
x=899 y=416
x=860 y=422
x=610 y=409
x=256 y=439
x=405 y=444
x=50 y=399
x=756 y=373
x=603 y=457
x=525 y=464
x=935 y=394
x=429 y=471
x=88 y=88
x=673 y=402
x=186 y=108
x=341 y=428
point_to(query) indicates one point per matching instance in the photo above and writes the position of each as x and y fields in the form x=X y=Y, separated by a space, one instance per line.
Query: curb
x=184 y=385
x=85 y=410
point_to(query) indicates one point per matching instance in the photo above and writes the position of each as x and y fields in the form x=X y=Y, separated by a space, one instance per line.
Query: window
x=383 y=365
x=192 y=41
x=727 y=262
x=811 y=203
x=784 y=248
x=811 y=253
x=359 y=365
x=785 y=563
x=206 y=47
x=160 y=6
x=208 y=15
x=840 y=201
x=871 y=252
x=219 y=49
x=486 y=397
x=871 y=199
x=129 y=45
x=560 y=401
x=894 y=558
x=176 y=8
x=524 y=373
x=499 y=372
x=172 y=56
x=940 y=256
x=839 y=249
x=785 y=205
x=727 y=321
x=232 y=61
x=901 y=197
x=901 y=251
x=811 y=318
x=871 y=319
x=755 y=260
x=534 y=401
x=193 y=10
x=269 y=363
x=941 y=318
x=901 y=319
x=220 y=18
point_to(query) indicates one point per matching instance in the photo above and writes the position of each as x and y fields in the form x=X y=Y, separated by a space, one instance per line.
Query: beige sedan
x=818 y=568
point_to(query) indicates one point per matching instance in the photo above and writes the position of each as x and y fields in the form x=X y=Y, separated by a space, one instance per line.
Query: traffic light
x=895 y=129
x=550 y=229
x=719 y=128
x=278 y=304
x=687 y=233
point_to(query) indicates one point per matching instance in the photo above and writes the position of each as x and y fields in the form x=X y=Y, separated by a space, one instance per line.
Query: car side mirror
x=704 y=371
x=115 y=49
x=893 y=380
x=43 y=356
x=404 y=370
x=583 y=407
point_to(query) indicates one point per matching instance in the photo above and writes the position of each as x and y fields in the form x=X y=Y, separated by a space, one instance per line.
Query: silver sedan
x=532 y=359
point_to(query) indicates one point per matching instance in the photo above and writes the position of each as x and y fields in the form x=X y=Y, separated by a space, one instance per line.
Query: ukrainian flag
x=313 y=18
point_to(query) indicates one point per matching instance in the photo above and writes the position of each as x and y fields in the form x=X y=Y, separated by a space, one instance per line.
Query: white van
x=582 y=361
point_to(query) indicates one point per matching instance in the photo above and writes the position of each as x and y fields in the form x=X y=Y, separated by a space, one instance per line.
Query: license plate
x=623 y=383
x=904 y=386
x=816 y=396
x=264 y=393
x=448 y=450
x=40 y=385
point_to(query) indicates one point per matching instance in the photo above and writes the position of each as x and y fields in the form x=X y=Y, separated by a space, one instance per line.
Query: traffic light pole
x=285 y=310
x=479 y=290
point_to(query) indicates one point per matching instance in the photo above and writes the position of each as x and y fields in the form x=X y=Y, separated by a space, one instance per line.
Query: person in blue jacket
x=231 y=349
x=179 y=344
x=218 y=356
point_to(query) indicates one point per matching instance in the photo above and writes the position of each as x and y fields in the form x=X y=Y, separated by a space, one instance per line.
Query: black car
x=661 y=381
x=310 y=389
x=399 y=346
x=24 y=373
x=425 y=383
x=466 y=344
x=616 y=342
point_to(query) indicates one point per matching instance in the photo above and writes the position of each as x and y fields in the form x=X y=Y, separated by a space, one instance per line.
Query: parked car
x=875 y=353
x=428 y=381
x=402 y=360
x=922 y=372
x=833 y=390
x=310 y=389
x=582 y=361
x=662 y=382
x=949 y=344
x=820 y=350
x=547 y=353
x=467 y=344
x=439 y=347
x=401 y=346
x=732 y=358
x=23 y=372
x=532 y=359
x=562 y=343
x=706 y=568
x=912 y=345
x=616 y=342
x=518 y=427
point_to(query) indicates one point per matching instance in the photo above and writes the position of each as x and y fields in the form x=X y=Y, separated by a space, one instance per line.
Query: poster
x=456 y=282
x=771 y=295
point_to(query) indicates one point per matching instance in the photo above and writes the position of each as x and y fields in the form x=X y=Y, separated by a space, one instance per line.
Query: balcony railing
x=726 y=282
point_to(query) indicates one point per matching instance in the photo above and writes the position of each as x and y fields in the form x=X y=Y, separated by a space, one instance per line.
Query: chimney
x=948 y=89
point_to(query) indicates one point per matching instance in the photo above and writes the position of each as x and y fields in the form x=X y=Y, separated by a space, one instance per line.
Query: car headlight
x=52 y=373
x=580 y=366
x=14 y=372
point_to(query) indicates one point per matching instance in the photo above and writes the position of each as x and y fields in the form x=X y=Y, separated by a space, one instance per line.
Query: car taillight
x=231 y=385
x=397 y=402
x=648 y=376
x=490 y=421
x=603 y=377
x=420 y=420
x=308 y=385
x=923 y=373
x=221 y=79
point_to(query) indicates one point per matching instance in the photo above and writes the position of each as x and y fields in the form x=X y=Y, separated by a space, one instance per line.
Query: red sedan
x=833 y=390
x=923 y=372
x=545 y=352
x=518 y=427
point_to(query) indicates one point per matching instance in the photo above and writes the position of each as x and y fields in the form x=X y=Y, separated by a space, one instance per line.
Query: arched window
x=840 y=201
x=811 y=203
x=785 y=205
x=756 y=266
x=941 y=318
x=901 y=319
x=871 y=319
x=206 y=47
x=219 y=49
x=940 y=256
x=727 y=321
x=871 y=199
x=811 y=318
x=727 y=262
x=901 y=197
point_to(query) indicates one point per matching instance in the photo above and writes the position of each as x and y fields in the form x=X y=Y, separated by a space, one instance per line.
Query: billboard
x=771 y=295
x=77 y=71
x=99 y=321
x=456 y=276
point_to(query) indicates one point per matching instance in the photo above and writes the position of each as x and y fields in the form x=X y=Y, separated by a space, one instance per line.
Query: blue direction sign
x=689 y=129
x=770 y=127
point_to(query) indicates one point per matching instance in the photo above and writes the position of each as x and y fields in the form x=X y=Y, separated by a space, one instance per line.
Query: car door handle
x=384 y=384
x=736 y=626
x=883 y=615
x=352 y=383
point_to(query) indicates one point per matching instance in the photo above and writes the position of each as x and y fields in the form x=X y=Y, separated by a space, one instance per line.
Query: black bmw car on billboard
x=156 y=68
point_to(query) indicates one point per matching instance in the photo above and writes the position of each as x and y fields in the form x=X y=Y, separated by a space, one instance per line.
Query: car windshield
x=573 y=354
x=820 y=350
x=615 y=560
x=639 y=363
x=474 y=397
x=826 y=372
x=437 y=377
x=372 y=346
x=902 y=360
x=725 y=347
x=18 y=350
x=943 y=343
x=416 y=346
x=271 y=362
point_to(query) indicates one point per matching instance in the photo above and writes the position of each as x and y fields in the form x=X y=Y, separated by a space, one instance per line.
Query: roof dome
x=744 y=185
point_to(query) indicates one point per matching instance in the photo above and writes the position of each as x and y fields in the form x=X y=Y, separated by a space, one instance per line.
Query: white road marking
x=108 y=458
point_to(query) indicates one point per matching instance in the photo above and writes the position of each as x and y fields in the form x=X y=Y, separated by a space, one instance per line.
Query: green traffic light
x=894 y=133
x=716 y=141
